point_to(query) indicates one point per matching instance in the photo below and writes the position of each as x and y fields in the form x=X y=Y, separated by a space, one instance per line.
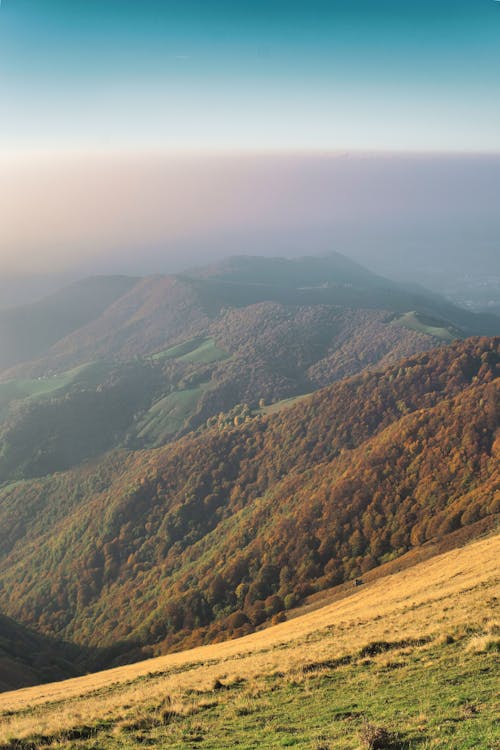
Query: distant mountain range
x=123 y=317
x=122 y=362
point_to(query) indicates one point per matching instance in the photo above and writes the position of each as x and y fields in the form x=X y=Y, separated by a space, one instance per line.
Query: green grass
x=199 y=349
x=434 y=696
x=89 y=374
x=167 y=416
x=417 y=322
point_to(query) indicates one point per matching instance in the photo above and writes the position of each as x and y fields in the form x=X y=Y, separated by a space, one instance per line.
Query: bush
x=377 y=738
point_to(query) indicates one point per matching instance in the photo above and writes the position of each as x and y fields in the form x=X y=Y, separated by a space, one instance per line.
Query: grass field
x=167 y=416
x=280 y=405
x=418 y=322
x=90 y=374
x=199 y=349
x=408 y=661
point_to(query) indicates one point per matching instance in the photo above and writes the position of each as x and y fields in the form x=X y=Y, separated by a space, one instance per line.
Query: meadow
x=405 y=661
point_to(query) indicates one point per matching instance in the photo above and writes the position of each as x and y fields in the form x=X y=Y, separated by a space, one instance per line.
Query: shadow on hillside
x=29 y=658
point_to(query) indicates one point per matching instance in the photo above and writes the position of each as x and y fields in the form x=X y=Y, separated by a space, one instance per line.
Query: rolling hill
x=213 y=534
x=145 y=361
x=120 y=318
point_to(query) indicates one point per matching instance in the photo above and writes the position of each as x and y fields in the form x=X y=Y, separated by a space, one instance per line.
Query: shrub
x=377 y=738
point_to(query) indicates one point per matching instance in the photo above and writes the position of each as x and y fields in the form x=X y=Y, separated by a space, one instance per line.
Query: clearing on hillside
x=199 y=349
x=424 y=324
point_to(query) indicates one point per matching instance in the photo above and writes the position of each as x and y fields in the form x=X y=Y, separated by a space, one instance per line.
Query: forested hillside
x=264 y=352
x=210 y=535
x=136 y=363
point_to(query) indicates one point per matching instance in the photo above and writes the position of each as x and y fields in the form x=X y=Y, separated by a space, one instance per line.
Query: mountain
x=331 y=279
x=212 y=534
x=171 y=354
x=120 y=317
x=296 y=273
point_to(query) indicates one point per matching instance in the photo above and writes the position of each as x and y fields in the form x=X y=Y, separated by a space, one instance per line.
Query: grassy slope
x=420 y=323
x=198 y=349
x=88 y=374
x=279 y=405
x=168 y=415
x=413 y=652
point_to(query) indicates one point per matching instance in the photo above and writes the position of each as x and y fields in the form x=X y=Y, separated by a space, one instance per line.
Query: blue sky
x=211 y=75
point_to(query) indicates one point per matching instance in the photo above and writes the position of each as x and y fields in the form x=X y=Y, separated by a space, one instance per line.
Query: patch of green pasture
x=417 y=322
x=199 y=349
x=12 y=390
x=168 y=415
x=279 y=405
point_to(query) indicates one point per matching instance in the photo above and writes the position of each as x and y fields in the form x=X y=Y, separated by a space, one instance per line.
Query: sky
x=139 y=134
x=250 y=74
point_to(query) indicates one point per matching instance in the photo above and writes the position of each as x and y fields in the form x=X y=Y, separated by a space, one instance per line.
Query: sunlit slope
x=411 y=621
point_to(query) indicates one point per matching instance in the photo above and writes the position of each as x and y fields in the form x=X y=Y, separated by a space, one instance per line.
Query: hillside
x=28 y=331
x=409 y=659
x=332 y=279
x=213 y=534
x=159 y=357
x=263 y=352
x=120 y=318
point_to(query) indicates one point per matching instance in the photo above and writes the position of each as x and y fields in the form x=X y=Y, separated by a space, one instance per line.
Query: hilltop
x=121 y=317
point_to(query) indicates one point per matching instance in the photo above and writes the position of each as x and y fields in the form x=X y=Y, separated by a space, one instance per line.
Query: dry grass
x=438 y=598
x=488 y=640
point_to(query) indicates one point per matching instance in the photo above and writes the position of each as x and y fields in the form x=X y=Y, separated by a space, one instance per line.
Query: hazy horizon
x=147 y=137
x=154 y=214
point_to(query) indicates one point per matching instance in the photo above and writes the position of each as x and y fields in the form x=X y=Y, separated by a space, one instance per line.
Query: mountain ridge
x=156 y=311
